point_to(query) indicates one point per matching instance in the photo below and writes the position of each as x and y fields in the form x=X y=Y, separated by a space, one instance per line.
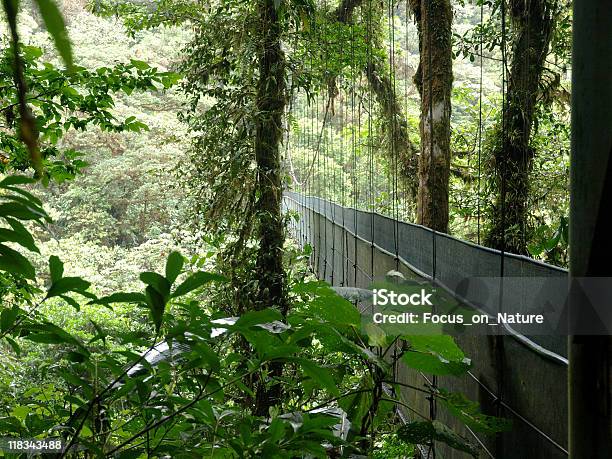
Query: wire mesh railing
x=536 y=363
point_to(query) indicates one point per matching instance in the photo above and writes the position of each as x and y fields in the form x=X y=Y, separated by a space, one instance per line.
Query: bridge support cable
x=394 y=170
x=479 y=153
x=341 y=186
x=498 y=338
x=354 y=115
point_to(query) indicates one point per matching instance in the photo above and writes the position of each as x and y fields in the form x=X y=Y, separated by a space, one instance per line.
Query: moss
x=511 y=149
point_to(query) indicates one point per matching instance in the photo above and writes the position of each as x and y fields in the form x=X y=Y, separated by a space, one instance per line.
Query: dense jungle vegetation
x=145 y=146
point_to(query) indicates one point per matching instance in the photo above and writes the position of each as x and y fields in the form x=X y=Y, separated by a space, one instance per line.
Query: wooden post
x=590 y=357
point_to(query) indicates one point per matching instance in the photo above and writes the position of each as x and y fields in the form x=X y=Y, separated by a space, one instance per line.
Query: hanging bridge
x=522 y=378
x=354 y=204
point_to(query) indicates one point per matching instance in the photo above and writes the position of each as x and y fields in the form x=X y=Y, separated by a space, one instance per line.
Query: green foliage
x=16 y=206
x=391 y=447
x=343 y=314
x=206 y=388
x=552 y=242
x=65 y=100
x=119 y=392
x=438 y=355
x=56 y=27
x=474 y=187
x=469 y=413
x=426 y=432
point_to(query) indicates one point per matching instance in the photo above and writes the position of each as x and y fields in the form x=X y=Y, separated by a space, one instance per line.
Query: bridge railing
x=525 y=380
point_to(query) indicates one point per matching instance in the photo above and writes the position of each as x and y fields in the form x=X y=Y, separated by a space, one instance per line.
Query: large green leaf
x=333 y=340
x=14 y=345
x=174 y=265
x=156 y=304
x=157 y=282
x=140 y=65
x=13 y=262
x=56 y=268
x=325 y=304
x=436 y=354
x=279 y=351
x=20 y=211
x=24 y=197
x=196 y=280
x=469 y=413
x=121 y=297
x=257 y=317
x=71 y=301
x=356 y=405
x=52 y=334
x=322 y=376
x=67 y=284
x=77 y=381
x=16 y=180
x=8 y=317
x=24 y=240
x=54 y=22
x=376 y=335
x=205 y=354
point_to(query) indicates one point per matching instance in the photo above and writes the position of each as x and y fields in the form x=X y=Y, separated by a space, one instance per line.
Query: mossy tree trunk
x=434 y=79
x=271 y=99
x=345 y=10
x=513 y=155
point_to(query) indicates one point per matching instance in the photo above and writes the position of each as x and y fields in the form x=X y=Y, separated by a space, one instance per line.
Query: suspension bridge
x=354 y=210
x=514 y=376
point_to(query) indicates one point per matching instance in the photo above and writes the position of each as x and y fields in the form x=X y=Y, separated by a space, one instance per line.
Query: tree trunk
x=271 y=99
x=513 y=155
x=434 y=80
x=344 y=12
